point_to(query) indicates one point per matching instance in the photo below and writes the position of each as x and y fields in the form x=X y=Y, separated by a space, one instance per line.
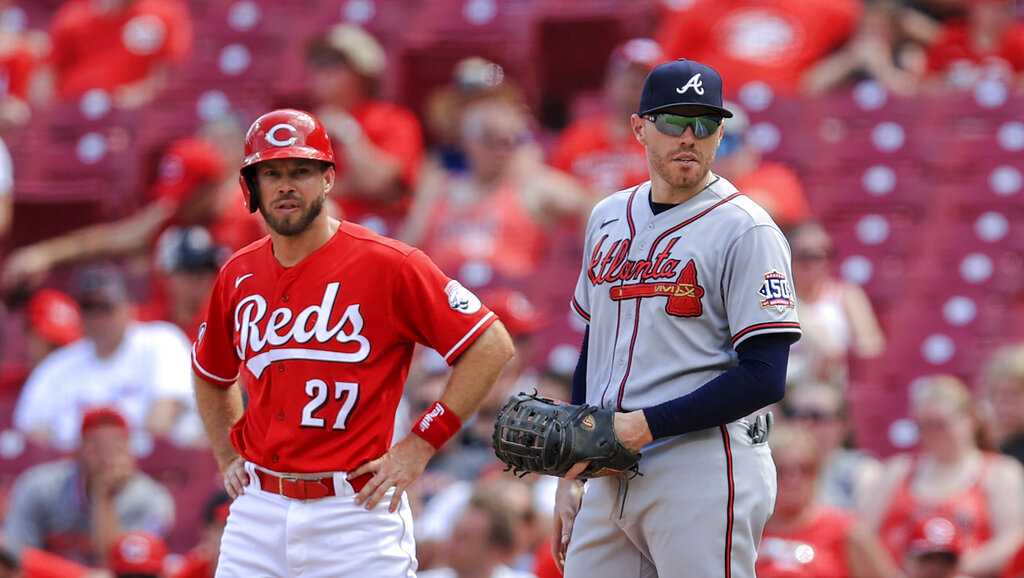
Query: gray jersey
x=668 y=297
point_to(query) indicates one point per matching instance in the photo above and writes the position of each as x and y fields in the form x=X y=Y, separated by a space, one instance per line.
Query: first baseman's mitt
x=533 y=434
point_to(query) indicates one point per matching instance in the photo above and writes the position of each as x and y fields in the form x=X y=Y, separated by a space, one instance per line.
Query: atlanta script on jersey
x=323 y=348
x=669 y=296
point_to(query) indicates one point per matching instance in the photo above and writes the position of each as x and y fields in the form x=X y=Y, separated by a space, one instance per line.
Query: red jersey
x=497 y=230
x=323 y=348
x=195 y=565
x=98 y=50
x=967 y=509
x=589 y=151
x=395 y=131
x=814 y=551
x=17 y=63
x=953 y=48
x=777 y=189
x=771 y=41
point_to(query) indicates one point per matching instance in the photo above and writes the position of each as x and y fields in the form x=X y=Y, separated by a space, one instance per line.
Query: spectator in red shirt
x=774 y=42
x=601 y=150
x=21 y=54
x=192 y=188
x=805 y=538
x=774 y=186
x=988 y=43
x=495 y=221
x=951 y=477
x=884 y=48
x=124 y=47
x=380 y=144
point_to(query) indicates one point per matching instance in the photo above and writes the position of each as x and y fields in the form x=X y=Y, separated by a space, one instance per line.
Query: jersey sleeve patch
x=776 y=292
x=461 y=299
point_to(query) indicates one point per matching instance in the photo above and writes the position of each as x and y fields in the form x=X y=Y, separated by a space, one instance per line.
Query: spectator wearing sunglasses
x=836 y=316
x=141 y=369
x=951 y=477
x=845 y=472
x=772 y=185
x=494 y=222
x=805 y=538
x=600 y=149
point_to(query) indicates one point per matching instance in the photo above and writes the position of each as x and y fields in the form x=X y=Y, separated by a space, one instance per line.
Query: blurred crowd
x=97 y=320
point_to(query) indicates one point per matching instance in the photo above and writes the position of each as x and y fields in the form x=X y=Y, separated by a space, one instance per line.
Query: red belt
x=304 y=488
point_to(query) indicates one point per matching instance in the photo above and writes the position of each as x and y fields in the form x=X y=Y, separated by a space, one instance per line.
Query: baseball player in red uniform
x=317 y=322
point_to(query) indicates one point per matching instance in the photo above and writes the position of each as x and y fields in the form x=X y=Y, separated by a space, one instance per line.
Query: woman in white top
x=836 y=317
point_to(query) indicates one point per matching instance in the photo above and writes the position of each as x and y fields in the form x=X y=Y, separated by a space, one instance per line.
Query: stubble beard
x=288 y=228
x=680 y=180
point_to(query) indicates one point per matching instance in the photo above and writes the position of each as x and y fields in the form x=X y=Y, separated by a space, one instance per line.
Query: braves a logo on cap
x=273 y=138
x=695 y=83
x=776 y=291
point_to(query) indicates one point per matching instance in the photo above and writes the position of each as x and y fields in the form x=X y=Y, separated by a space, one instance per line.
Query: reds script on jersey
x=323 y=348
x=668 y=297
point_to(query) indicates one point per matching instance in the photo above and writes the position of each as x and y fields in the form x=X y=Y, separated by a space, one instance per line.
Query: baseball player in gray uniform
x=686 y=289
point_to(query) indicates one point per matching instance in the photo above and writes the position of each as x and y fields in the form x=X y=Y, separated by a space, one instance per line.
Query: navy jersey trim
x=769 y=325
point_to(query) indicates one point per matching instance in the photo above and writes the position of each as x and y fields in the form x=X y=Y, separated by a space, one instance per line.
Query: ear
x=329 y=177
x=637 y=124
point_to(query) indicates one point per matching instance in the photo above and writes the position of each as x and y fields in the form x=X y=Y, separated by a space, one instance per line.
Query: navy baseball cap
x=189 y=250
x=683 y=83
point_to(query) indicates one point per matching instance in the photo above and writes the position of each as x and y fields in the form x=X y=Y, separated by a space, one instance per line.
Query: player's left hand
x=398 y=468
x=632 y=430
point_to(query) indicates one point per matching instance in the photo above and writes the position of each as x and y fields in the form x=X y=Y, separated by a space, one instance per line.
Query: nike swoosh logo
x=240 y=278
x=608 y=222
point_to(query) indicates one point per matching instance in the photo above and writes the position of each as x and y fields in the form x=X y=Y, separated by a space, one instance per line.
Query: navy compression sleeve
x=579 y=377
x=758 y=380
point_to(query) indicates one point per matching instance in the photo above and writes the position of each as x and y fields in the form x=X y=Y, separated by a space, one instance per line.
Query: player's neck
x=662 y=192
x=289 y=250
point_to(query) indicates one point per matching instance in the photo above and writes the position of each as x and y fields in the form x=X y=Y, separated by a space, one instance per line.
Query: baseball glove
x=533 y=434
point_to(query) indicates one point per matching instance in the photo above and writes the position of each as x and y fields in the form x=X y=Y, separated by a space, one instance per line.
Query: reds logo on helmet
x=283 y=134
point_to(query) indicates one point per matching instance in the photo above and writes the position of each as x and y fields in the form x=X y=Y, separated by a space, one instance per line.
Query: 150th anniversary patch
x=776 y=291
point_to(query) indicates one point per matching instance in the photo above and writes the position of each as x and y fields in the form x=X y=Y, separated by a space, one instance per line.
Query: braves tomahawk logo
x=695 y=83
x=282 y=327
x=657 y=277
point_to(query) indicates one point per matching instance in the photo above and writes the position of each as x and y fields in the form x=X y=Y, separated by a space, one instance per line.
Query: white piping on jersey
x=258 y=363
x=202 y=370
x=468 y=334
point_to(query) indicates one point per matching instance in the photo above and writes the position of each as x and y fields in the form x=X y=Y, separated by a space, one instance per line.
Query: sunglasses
x=674 y=125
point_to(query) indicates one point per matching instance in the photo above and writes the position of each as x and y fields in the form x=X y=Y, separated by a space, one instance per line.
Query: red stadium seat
x=191 y=475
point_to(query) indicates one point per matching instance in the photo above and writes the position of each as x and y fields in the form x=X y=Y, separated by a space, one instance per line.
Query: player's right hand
x=235 y=478
x=568 y=497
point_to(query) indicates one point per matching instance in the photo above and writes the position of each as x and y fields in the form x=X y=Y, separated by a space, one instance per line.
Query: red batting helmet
x=283 y=134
